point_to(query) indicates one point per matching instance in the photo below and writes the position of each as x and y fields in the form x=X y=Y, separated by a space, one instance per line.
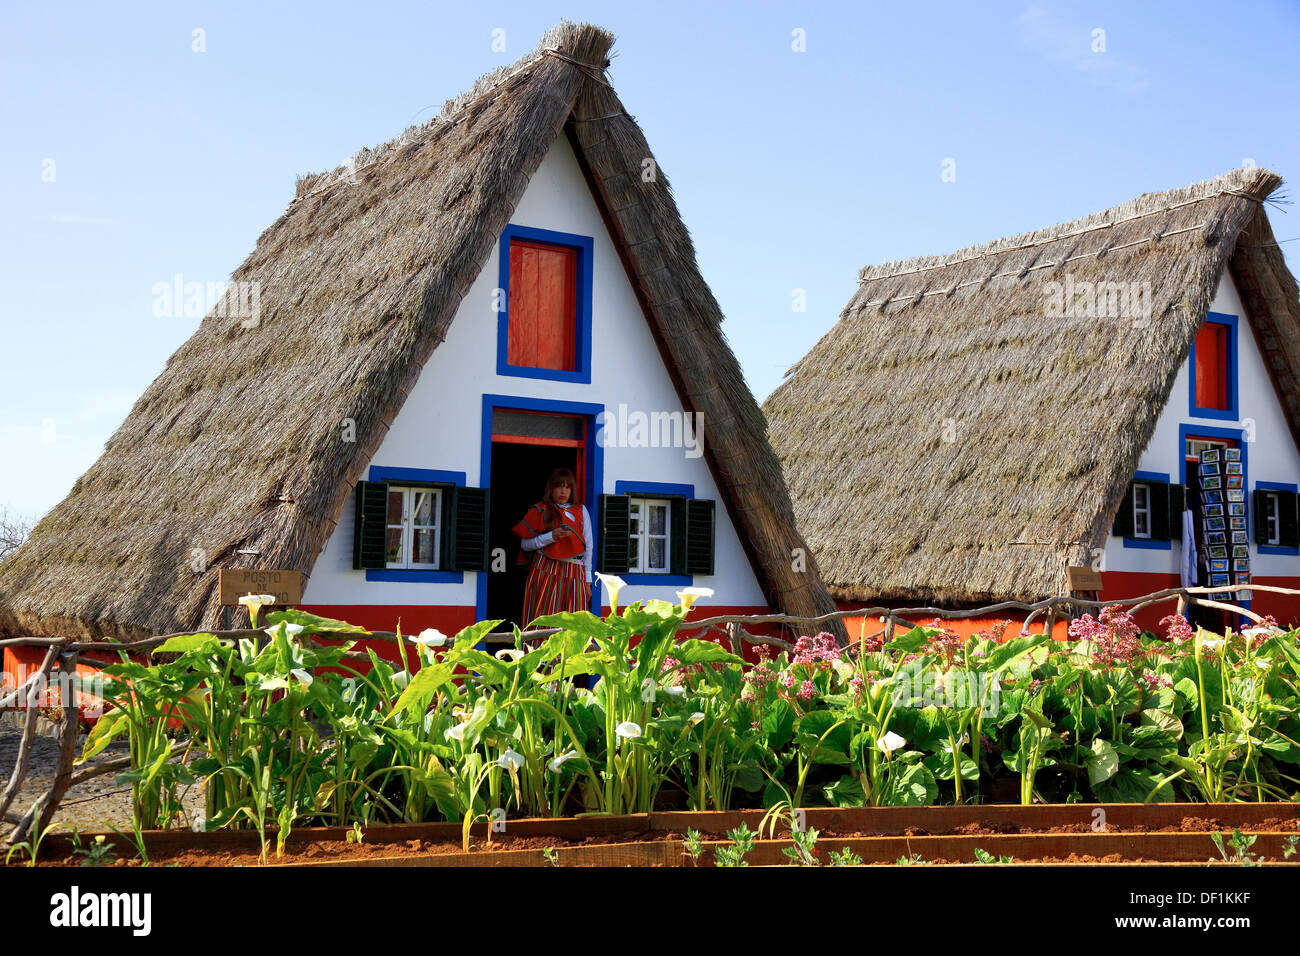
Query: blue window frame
x=595 y=453
x=1149 y=478
x=582 y=322
x=1232 y=412
x=416 y=476
x=1277 y=486
x=656 y=489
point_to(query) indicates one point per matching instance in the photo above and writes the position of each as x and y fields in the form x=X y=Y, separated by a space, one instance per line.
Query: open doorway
x=526 y=448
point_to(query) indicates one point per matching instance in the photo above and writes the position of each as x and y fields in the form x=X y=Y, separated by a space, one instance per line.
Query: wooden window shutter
x=1288 y=522
x=1212 y=366
x=1260 y=503
x=700 y=535
x=613 y=555
x=677 y=525
x=1124 y=517
x=370 y=530
x=543 y=306
x=1159 y=504
x=1177 y=505
x=469 y=529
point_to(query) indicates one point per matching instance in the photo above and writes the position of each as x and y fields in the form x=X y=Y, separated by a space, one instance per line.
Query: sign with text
x=285 y=585
x=1084 y=579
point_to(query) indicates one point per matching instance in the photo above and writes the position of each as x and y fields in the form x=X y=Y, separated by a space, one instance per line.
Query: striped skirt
x=555 y=586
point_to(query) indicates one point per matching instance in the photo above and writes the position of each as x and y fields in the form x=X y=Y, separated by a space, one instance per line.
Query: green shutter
x=699 y=535
x=1288 y=520
x=613 y=552
x=677 y=525
x=370 y=528
x=1124 y=518
x=1177 y=505
x=1261 y=516
x=469 y=530
x=1159 y=504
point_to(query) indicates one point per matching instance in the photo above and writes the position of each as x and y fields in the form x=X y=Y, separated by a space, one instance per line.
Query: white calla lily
x=555 y=765
x=431 y=637
x=628 y=730
x=689 y=596
x=513 y=653
x=890 y=742
x=401 y=678
x=1262 y=664
x=254 y=604
x=290 y=629
x=1212 y=644
x=302 y=675
x=509 y=760
x=677 y=690
x=695 y=718
x=457 y=732
x=612 y=584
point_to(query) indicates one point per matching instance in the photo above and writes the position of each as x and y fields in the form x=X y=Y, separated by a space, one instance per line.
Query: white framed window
x=649 y=536
x=413 y=528
x=1141 y=510
x=1273 y=518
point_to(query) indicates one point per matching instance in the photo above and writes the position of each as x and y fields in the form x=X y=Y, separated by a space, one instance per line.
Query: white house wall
x=440 y=426
x=1272 y=456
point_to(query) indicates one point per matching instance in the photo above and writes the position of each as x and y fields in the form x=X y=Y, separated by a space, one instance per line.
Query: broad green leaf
x=1101 y=760
x=428 y=680
x=915 y=787
x=845 y=792
x=311 y=623
x=778 y=723
x=109 y=726
x=184 y=642
x=912 y=641
x=1006 y=653
x=469 y=636
x=1165 y=721
x=695 y=651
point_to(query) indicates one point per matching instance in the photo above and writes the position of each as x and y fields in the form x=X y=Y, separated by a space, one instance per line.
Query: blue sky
x=792 y=169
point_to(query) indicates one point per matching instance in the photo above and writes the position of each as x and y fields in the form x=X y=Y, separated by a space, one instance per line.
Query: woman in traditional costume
x=557 y=531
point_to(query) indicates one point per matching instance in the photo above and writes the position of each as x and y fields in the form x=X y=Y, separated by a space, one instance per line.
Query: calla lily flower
x=302 y=675
x=254 y=604
x=457 y=732
x=431 y=637
x=401 y=678
x=890 y=742
x=677 y=690
x=648 y=690
x=695 y=718
x=289 y=629
x=628 y=729
x=513 y=653
x=612 y=584
x=555 y=765
x=1254 y=633
x=1212 y=644
x=1262 y=664
x=510 y=760
x=689 y=596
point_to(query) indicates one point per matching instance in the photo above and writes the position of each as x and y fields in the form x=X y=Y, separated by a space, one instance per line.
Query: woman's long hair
x=560 y=476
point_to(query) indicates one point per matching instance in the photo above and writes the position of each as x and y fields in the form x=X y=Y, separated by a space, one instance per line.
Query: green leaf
x=845 y=792
x=1101 y=760
x=109 y=726
x=748 y=776
x=778 y=723
x=184 y=642
x=310 y=622
x=1165 y=721
x=467 y=637
x=915 y=787
x=695 y=651
x=1004 y=654
x=912 y=641
x=428 y=680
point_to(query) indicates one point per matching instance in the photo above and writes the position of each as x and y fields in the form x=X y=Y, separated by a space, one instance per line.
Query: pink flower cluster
x=816 y=652
x=947 y=641
x=1115 y=634
x=1176 y=628
x=1155 y=681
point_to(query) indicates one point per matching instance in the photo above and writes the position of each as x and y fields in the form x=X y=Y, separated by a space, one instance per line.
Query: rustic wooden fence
x=63 y=654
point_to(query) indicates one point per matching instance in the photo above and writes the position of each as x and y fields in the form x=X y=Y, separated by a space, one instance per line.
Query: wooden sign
x=285 y=585
x=1084 y=579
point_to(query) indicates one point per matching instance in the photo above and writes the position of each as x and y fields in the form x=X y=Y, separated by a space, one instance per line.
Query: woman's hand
x=561 y=532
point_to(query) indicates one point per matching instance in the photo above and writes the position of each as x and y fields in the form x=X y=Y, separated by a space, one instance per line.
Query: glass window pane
x=395 y=496
x=424 y=552
x=423 y=507
x=393 y=549
x=658 y=518
x=657 y=554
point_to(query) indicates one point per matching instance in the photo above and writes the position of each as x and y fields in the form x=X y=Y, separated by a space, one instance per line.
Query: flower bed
x=293 y=735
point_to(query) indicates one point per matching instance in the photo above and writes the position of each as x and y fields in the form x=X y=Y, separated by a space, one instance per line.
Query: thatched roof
x=1046 y=415
x=236 y=446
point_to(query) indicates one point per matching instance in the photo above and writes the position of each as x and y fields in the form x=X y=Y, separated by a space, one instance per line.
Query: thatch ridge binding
x=360 y=280
x=1049 y=414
